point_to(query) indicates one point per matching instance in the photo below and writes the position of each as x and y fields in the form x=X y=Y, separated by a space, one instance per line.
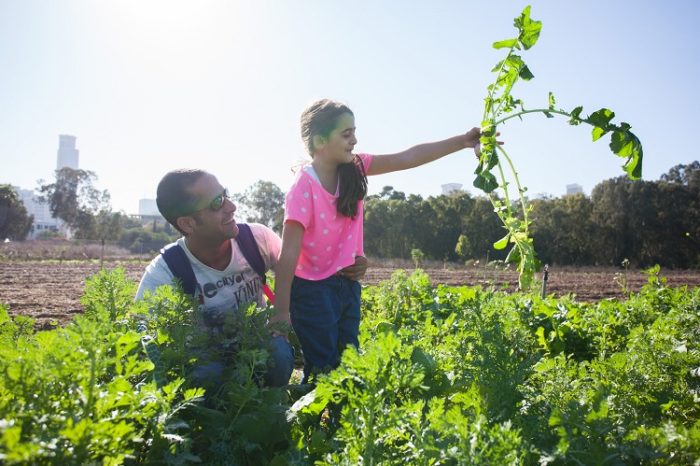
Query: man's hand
x=355 y=271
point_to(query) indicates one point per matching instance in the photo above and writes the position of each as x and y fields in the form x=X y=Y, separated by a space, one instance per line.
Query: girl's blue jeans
x=326 y=318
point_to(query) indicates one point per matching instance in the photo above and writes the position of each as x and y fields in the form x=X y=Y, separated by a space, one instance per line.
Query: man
x=196 y=204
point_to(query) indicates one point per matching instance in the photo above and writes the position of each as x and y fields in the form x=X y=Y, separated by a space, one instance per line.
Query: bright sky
x=148 y=86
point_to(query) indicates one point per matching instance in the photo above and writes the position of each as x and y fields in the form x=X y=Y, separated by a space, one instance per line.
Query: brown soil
x=50 y=291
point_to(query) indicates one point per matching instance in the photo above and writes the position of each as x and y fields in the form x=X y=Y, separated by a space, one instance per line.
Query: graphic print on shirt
x=227 y=295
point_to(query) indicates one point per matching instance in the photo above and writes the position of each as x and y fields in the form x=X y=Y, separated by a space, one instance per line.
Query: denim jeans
x=277 y=375
x=326 y=318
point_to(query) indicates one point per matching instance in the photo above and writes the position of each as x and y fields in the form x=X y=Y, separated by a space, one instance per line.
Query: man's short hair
x=173 y=196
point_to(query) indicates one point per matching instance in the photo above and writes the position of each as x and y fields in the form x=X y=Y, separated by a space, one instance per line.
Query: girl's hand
x=471 y=139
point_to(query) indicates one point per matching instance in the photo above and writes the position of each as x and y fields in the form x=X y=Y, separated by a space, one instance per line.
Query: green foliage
x=459 y=375
x=239 y=421
x=381 y=412
x=649 y=222
x=13 y=329
x=263 y=202
x=15 y=223
x=500 y=106
x=115 y=385
x=396 y=224
x=417 y=256
x=108 y=296
x=138 y=240
x=463 y=246
x=81 y=394
x=445 y=375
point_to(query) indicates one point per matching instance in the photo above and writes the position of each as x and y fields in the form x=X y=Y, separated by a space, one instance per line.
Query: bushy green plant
x=444 y=375
x=82 y=394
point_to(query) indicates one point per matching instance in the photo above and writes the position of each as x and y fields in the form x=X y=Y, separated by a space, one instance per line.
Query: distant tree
x=417 y=256
x=483 y=228
x=376 y=214
x=109 y=225
x=388 y=193
x=562 y=229
x=686 y=175
x=74 y=199
x=463 y=247
x=263 y=202
x=446 y=227
x=15 y=223
x=677 y=207
x=393 y=227
x=143 y=241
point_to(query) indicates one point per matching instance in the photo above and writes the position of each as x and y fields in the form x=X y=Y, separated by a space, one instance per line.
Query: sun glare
x=169 y=21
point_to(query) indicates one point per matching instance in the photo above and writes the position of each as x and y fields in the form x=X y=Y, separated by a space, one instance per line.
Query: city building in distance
x=573 y=189
x=67 y=156
x=450 y=188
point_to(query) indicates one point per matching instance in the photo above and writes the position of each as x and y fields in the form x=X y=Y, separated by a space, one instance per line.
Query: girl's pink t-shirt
x=331 y=240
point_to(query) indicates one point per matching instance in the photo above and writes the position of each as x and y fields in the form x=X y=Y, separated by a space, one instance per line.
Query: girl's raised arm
x=423 y=153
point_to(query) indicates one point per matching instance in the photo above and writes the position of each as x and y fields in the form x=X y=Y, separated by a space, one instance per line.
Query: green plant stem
x=496 y=209
x=493 y=88
x=537 y=110
x=369 y=438
x=504 y=186
x=507 y=90
x=523 y=202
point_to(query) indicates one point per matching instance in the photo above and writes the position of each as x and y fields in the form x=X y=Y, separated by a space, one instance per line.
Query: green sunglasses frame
x=218 y=202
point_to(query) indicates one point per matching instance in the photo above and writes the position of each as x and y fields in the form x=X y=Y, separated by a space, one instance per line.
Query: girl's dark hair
x=320 y=119
x=352 y=181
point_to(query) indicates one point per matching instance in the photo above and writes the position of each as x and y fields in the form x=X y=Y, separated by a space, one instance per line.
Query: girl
x=323 y=230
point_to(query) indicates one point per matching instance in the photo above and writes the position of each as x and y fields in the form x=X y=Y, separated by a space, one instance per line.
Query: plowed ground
x=50 y=291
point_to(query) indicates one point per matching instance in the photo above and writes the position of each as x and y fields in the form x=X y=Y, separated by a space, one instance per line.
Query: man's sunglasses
x=218 y=202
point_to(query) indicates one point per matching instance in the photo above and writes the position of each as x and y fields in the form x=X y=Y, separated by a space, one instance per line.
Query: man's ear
x=186 y=224
x=318 y=141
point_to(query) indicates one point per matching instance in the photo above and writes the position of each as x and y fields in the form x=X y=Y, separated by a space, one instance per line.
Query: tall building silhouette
x=573 y=189
x=148 y=207
x=67 y=153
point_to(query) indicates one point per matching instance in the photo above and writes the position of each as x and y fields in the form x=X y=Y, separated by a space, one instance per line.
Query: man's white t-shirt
x=220 y=292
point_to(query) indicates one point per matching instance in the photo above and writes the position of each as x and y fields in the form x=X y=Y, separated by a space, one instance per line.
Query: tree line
x=644 y=222
x=85 y=211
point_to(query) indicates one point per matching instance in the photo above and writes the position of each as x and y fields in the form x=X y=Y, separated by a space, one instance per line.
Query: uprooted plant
x=501 y=106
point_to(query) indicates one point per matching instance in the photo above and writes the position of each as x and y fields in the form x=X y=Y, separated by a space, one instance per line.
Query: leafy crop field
x=445 y=375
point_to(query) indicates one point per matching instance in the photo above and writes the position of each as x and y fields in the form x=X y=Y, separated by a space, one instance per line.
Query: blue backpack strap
x=179 y=264
x=249 y=248
x=251 y=252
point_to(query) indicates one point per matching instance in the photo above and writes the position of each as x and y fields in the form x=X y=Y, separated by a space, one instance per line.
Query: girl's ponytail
x=352 y=180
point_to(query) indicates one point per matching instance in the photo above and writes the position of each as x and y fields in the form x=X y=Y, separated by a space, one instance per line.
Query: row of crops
x=446 y=375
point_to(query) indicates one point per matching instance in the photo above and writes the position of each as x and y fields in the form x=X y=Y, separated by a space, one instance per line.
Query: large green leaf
x=529 y=29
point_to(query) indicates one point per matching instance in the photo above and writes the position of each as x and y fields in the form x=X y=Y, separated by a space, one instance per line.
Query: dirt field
x=50 y=291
